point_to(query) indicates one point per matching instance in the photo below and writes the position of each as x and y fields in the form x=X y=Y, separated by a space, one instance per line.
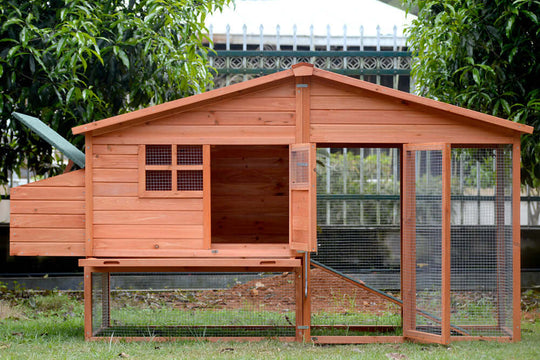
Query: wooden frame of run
x=106 y=266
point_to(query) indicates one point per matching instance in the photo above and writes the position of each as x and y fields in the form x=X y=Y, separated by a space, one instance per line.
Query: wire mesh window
x=158 y=154
x=158 y=180
x=194 y=305
x=163 y=175
x=300 y=167
x=481 y=246
x=189 y=155
x=189 y=180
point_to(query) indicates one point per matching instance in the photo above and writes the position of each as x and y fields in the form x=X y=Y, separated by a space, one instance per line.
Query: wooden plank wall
x=350 y=115
x=264 y=117
x=250 y=194
x=126 y=225
x=47 y=217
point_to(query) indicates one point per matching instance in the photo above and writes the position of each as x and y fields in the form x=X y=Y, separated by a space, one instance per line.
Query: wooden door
x=303 y=197
x=426 y=242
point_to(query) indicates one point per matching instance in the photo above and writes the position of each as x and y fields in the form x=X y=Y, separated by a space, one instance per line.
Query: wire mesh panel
x=358 y=236
x=300 y=167
x=195 y=305
x=189 y=180
x=158 y=154
x=423 y=239
x=158 y=180
x=358 y=213
x=189 y=155
x=341 y=307
x=481 y=263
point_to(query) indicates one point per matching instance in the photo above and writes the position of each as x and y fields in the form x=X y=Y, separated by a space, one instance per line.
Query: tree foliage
x=70 y=62
x=485 y=56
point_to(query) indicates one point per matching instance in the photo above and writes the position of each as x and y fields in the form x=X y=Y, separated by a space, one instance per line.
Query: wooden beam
x=516 y=241
x=207 y=198
x=445 y=238
x=189 y=262
x=89 y=196
x=303 y=99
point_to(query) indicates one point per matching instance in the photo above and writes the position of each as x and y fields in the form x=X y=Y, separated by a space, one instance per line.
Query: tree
x=70 y=62
x=485 y=56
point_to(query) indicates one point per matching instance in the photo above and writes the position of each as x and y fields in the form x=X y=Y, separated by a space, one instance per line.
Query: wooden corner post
x=516 y=241
x=89 y=193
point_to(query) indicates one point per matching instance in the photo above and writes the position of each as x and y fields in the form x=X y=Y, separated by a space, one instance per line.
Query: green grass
x=51 y=327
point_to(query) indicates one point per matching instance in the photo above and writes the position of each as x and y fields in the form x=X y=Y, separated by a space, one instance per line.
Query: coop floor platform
x=176 y=264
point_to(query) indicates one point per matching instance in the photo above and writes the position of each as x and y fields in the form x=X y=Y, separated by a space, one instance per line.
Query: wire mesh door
x=426 y=242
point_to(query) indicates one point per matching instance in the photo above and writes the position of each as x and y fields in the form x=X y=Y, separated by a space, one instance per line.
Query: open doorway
x=250 y=194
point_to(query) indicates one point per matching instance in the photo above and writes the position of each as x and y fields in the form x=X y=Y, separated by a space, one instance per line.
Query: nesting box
x=226 y=181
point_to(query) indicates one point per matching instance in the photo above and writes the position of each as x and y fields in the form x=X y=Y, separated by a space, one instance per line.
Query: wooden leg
x=87 y=303
x=299 y=303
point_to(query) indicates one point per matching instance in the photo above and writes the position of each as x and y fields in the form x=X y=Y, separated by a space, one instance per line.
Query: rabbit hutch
x=302 y=205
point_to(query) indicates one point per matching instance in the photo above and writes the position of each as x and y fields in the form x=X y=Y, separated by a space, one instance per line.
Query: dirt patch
x=277 y=293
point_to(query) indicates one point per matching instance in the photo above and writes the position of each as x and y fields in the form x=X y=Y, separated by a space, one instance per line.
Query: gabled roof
x=302 y=69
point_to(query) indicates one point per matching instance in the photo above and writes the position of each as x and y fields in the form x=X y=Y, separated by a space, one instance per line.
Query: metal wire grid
x=300 y=167
x=366 y=182
x=189 y=155
x=189 y=180
x=427 y=251
x=481 y=262
x=358 y=234
x=339 y=308
x=158 y=180
x=196 y=305
x=358 y=213
x=158 y=154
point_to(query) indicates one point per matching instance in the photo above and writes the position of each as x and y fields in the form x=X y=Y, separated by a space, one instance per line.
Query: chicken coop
x=302 y=205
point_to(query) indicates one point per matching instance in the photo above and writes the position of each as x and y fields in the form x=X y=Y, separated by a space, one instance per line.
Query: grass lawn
x=51 y=327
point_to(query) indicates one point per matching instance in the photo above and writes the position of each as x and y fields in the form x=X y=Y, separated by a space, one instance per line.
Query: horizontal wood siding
x=264 y=117
x=126 y=225
x=250 y=191
x=347 y=115
x=47 y=217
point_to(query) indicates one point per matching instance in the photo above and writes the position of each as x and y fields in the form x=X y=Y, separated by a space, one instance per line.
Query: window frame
x=173 y=168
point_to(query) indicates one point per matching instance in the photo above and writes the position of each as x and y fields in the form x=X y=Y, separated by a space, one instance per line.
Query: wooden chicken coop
x=227 y=185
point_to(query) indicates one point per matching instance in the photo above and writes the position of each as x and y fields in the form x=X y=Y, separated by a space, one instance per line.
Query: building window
x=171 y=170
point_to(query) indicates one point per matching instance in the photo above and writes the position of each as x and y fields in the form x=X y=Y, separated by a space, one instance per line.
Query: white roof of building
x=304 y=13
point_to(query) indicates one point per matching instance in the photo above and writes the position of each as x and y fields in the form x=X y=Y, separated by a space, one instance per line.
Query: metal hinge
x=302 y=327
x=301 y=85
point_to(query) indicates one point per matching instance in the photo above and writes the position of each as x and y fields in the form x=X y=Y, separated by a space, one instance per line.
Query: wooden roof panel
x=347 y=87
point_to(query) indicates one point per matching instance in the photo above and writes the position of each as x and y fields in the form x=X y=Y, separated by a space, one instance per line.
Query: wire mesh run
x=481 y=255
x=158 y=154
x=158 y=180
x=189 y=155
x=194 y=305
x=341 y=308
x=358 y=237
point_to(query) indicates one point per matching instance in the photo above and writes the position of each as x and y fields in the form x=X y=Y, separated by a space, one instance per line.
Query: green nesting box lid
x=53 y=138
